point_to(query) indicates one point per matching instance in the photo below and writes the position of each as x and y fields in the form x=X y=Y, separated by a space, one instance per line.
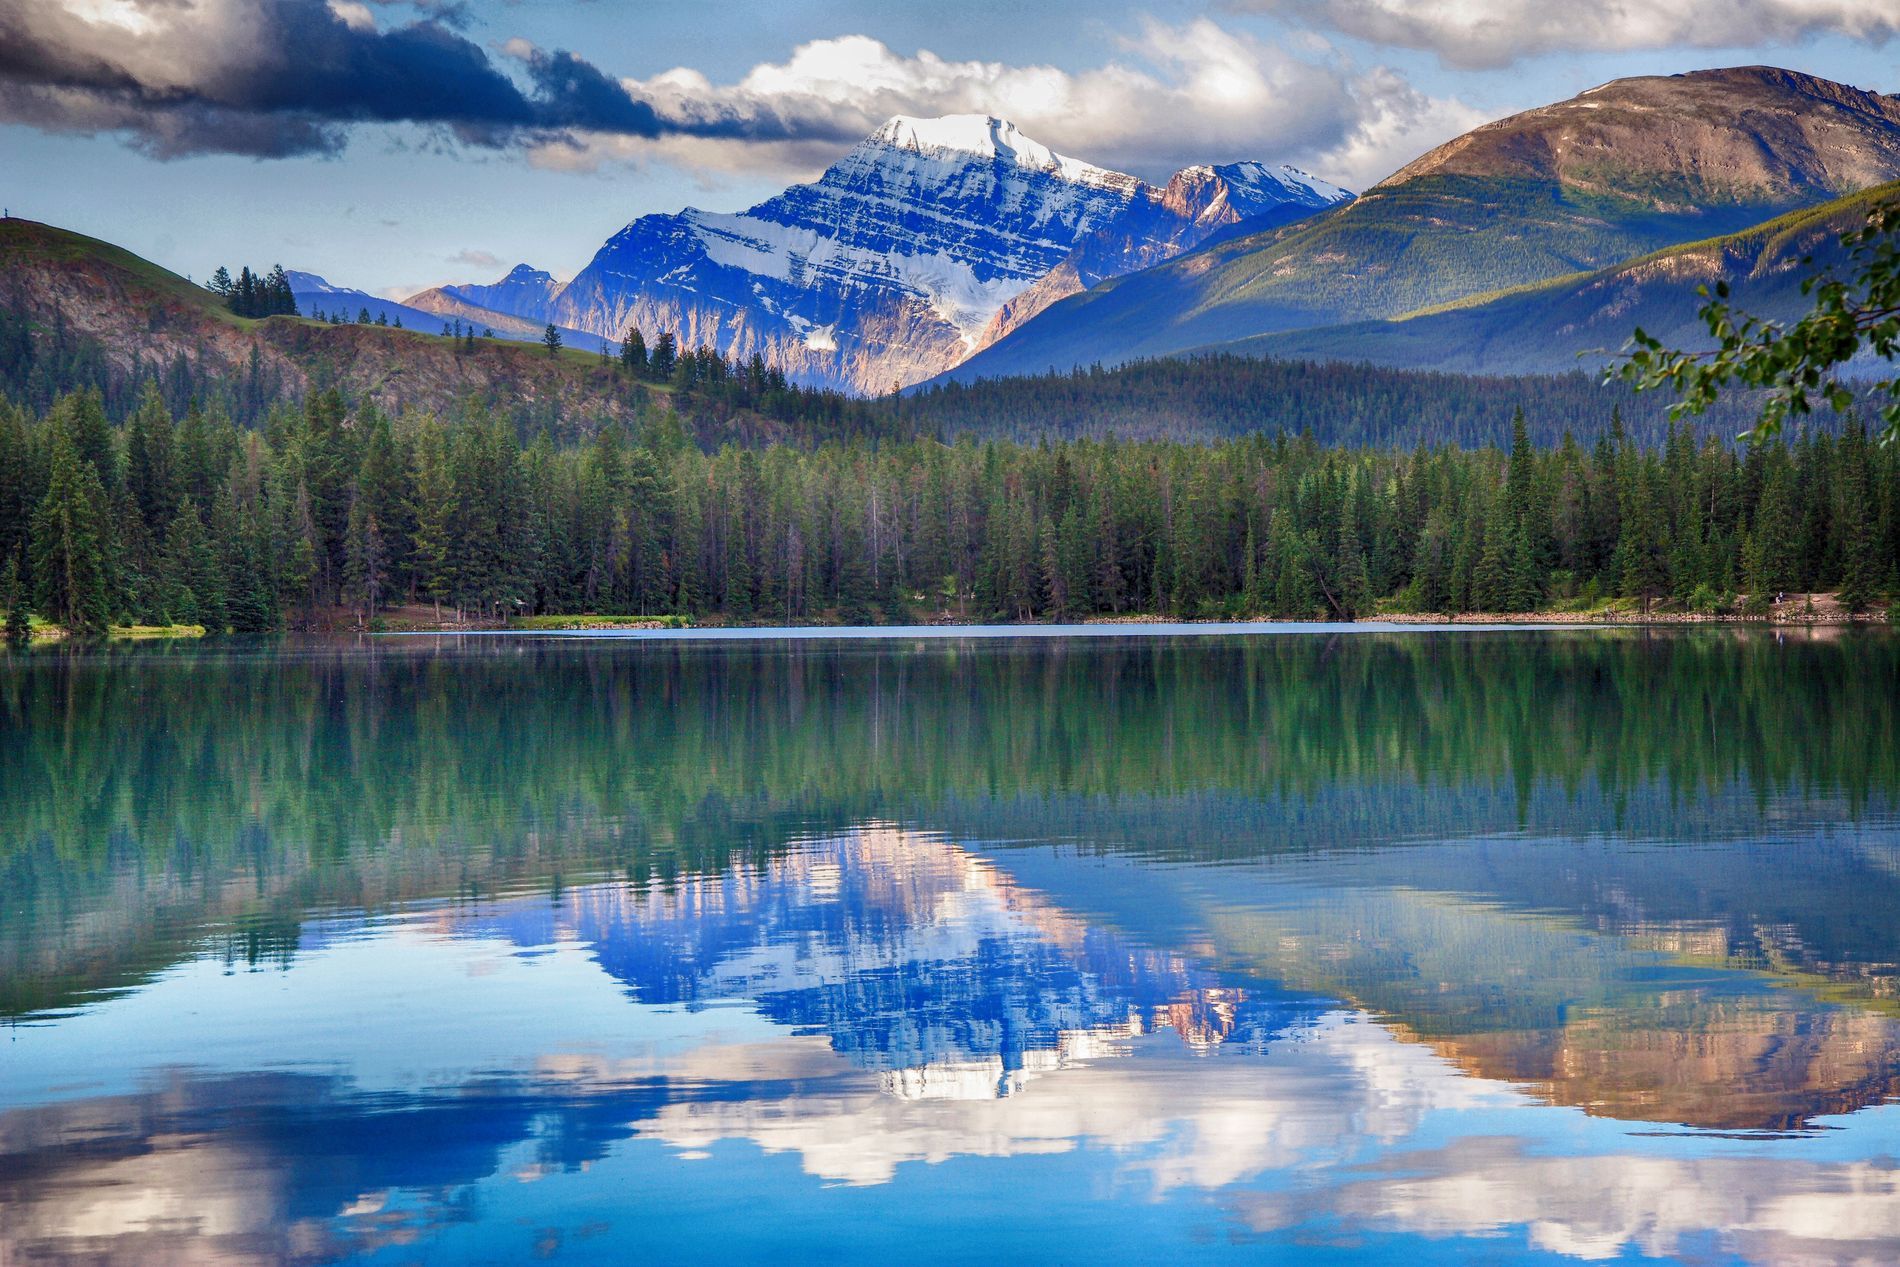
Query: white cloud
x=354 y=15
x=1175 y=95
x=1493 y=33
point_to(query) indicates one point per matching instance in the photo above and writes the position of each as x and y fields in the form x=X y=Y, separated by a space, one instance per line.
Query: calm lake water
x=1306 y=947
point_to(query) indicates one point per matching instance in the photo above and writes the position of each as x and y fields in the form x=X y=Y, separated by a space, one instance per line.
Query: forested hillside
x=1225 y=396
x=193 y=519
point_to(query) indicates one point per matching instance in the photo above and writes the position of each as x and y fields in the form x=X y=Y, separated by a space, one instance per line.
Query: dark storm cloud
x=273 y=78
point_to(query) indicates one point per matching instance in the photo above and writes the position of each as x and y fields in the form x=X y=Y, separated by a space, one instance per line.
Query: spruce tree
x=1491 y=578
x=366 y=569
x=195 y=572
x=1853 y=519
x=13 y=593
x=1770 y=557
x=252 y=607
x=665 y=357
x=150 y=472
x=68 y=554
x=1353 y=591
x=633 y=353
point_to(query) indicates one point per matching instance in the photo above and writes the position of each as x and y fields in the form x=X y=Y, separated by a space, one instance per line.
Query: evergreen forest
x=328 y=513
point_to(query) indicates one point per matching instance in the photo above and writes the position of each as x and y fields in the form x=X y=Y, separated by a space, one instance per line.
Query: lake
x=1179 y=946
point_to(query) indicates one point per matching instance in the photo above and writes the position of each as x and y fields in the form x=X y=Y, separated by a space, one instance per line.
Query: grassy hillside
x=1584 y=318
x=76 y=312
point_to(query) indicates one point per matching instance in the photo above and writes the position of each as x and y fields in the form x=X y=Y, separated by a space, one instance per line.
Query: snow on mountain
x=1198 y=203
x=986 y=137
x=896 y=262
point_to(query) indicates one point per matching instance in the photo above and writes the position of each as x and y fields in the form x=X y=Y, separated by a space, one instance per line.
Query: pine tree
x=196 y=576
x=1491 y=578
x=366 y=569
x=13 y=593
x=68 y=554
x=1853 y=519
x=149 y=469
x=1770 y=558
x=551 y=339
x=665 y=357
x=633 y=353
x=252 y=606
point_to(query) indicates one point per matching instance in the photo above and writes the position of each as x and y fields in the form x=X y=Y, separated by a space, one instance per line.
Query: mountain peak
x=302 y=282
x=986 y=136
x=526 y=273
x=1728 y=136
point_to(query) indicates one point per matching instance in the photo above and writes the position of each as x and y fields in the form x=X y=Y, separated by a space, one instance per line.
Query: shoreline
x=1790 y=615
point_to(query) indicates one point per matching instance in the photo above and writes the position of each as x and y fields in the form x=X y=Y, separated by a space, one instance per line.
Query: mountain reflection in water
x=713 y=961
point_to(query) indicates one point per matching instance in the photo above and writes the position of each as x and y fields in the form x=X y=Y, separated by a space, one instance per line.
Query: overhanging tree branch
x=1798 y=366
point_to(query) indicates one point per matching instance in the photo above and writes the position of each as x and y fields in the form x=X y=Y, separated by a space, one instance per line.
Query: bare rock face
x=895 y=264
x=1196 y=205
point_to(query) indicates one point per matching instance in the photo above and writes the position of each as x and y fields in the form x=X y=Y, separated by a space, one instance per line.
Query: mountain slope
x=525 y=292
x=72 y=299
x=319 y=299
x=893 y=264
x=1585 y=319
x=1619 y=171
x=446 y=306
x=1197 y=205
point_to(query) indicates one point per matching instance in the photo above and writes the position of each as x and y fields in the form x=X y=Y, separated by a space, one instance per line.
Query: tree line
x=255 y=295
x=169 y=518
x=749 y=401
x=1225 y=396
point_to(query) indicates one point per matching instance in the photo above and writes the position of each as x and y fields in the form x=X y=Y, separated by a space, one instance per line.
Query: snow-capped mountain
x=896 y=263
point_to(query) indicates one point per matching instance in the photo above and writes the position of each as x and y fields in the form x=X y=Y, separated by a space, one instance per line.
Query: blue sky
x=406 y=145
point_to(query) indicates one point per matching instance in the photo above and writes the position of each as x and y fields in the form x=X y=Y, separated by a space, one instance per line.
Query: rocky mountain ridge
x=928 y=240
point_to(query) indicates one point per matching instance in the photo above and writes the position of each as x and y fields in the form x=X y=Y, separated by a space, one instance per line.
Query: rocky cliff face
x=894 y=265
x=1196 y=205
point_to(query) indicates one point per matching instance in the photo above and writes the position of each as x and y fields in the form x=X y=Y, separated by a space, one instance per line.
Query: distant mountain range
x=927 y=240
x=941 y=250
x=318 y=298
x=1618 y=172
